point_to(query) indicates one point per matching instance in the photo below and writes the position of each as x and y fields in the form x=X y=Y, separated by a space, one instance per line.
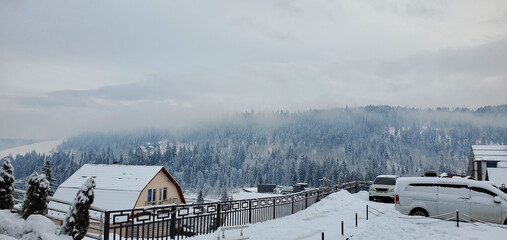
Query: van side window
x=423 y=184
x=482 y=190
x=452 y=186
x=422 y=187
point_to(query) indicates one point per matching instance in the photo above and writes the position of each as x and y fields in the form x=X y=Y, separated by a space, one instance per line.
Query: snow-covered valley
x=45 y=147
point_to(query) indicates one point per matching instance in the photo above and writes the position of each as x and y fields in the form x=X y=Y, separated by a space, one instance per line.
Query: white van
x=383 y=187
x=441 y=197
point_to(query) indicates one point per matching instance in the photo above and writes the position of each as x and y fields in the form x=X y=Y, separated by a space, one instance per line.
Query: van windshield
x=385 y=181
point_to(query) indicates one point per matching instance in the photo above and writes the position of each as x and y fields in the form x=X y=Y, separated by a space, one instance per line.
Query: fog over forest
x=285 y=147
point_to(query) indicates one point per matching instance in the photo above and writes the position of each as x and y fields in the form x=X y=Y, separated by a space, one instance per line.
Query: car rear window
x=385 y=181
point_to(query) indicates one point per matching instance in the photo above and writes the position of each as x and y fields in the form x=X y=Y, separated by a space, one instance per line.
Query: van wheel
x=419 y=212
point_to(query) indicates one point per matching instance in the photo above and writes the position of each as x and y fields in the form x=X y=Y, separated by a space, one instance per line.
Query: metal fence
x=182 y=221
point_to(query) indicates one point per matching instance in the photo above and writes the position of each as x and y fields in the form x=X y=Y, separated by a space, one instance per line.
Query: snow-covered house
x=121 y=187
x=489 y=163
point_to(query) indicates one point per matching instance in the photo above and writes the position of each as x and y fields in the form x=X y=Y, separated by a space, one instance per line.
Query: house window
x=491 y=164
x=163 y=194
x=151 y=195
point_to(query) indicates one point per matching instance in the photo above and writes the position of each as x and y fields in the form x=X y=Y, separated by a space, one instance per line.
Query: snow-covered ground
x=36 y=227
x=252 y=194
x=322 y=217
x=191 y=197
x=40 y=147
x=326 y=216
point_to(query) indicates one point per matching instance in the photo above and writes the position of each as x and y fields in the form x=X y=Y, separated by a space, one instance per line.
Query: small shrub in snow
x=6 y=184
x=77 y=218
x=36 y=195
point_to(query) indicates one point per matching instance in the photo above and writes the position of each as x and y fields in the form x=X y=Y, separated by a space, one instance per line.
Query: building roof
x=117 y=186
x=490 y=152
x=490 y=147
x=113 y=177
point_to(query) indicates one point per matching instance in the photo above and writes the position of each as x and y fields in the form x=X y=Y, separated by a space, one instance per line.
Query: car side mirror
x=497 y=199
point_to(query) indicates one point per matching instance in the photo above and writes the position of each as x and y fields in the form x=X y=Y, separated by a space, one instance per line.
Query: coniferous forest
x=285 y=147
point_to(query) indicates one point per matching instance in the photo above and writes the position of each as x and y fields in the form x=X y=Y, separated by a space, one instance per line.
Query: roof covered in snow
x=113 y=177
x=117 y=186
x=490 y=152
x=490 y=147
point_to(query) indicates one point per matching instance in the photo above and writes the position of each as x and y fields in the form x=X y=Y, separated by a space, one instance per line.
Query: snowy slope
x=12 y=226
x=191 y=197
x=326 y=216
x=252 y=194
x=40 y=147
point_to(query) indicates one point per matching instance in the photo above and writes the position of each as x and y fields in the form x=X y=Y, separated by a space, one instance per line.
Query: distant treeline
x=288 y=147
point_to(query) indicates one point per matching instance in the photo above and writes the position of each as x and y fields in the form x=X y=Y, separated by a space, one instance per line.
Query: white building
x=121 y=187
x=489 y=163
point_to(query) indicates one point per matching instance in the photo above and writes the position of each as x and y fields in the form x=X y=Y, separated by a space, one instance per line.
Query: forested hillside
x=286 y=147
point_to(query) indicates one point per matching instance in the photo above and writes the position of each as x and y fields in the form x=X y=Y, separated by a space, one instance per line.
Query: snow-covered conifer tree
x=6 y=184
x=77 y=218
x=46 y=170
x=224 y=196
x=200 y=198
x=36 y=195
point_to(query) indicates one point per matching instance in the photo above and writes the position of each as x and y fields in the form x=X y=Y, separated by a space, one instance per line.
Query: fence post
x=457 y=218
x=219 y=220
x=306 y=200
x=250 y=211
x=356 y=219
x=173 y=223
x=342 y=228
x=106 y=225
x=322 y=235
x=132 y=228
x=366 y=212
x=292 y=198
x=274 y=208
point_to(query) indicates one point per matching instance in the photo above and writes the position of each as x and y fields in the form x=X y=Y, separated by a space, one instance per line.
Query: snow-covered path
x=326 y=216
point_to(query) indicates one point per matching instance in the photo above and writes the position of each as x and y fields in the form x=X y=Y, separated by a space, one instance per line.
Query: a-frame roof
x=490 y=153
x=117 y=186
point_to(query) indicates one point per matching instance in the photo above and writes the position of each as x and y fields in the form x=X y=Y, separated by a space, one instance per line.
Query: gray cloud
x=478 y=61
x=67 y=67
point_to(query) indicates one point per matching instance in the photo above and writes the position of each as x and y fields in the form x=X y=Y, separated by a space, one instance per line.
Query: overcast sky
x=73 y=66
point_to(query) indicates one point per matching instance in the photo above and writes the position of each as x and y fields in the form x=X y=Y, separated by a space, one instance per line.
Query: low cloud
x=169 y=63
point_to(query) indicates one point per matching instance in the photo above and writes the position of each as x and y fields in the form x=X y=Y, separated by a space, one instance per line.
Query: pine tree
x=200 y=198
x=224 y=197
x=77 y=219
x=36 y=195
x=6 y=184
x=46 y=170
